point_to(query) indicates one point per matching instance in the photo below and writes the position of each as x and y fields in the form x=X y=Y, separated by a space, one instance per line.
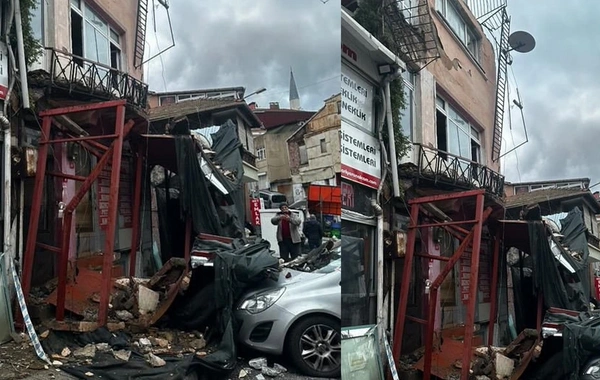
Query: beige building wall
x=470 y=84
x=121 y=15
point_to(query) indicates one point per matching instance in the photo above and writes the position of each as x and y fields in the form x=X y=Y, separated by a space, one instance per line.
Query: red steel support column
x=494 y=290
x=36 y=204
x=406 y=277
x=470 y=317
x=135 y=223
x=109 y=240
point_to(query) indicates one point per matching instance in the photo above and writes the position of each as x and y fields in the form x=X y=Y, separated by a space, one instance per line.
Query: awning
x=326 y=200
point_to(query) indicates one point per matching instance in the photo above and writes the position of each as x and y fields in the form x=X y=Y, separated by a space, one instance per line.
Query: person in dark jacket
x=313 y=232
x=288 y=233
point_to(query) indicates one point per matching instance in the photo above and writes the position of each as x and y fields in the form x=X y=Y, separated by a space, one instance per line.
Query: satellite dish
x=521 y=41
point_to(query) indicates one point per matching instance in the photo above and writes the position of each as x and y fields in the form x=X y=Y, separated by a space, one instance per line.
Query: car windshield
x=278 y=198
x=331 y=267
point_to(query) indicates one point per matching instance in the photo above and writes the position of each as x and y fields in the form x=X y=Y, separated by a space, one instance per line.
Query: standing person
x=313 y=232
x=288 y=234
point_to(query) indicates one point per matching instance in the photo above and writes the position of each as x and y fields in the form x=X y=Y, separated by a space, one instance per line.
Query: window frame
x=261 y=154
x=84 y=10
x=302 y=147
x=474 y=133
x=468 y=30
x=409 y=81
x=323 y=144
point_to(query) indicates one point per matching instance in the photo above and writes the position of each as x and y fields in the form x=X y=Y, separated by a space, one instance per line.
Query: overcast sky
x=559 y=83
x=248 y=43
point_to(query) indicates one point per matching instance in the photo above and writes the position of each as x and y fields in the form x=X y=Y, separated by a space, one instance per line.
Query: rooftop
x=272 y=118
x=551 y=199
x=198 y=106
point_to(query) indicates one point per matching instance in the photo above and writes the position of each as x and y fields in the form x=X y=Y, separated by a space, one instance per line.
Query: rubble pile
x=504 y=362
x=317 y=258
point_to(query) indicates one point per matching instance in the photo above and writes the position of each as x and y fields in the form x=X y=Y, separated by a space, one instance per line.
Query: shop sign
x=357 y=100
x=361 y=158
x=255 y=209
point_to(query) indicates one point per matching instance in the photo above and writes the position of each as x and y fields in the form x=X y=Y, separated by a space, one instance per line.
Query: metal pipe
x=379 y=214
x=6 y=172
x=390 y=128
x=21 y=53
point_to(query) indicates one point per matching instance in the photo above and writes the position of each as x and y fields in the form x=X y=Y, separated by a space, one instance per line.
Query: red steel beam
x=442 y=224
x=48 y=247
x=406 y=277
x=470 y=317
x=83 y=108
x=446 y=197
x=432 y=257
x=417 y=320
x=80 y=138
x=494 y=290
x=36 y=204
x=109 y=240
x=66 y=176
x=68 y=220
x=137 y=200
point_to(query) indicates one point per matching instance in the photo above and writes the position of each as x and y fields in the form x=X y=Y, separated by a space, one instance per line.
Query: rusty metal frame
x=113 y=155
x=473 y=239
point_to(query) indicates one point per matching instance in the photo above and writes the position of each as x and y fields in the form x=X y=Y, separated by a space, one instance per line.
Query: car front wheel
x=314 y=345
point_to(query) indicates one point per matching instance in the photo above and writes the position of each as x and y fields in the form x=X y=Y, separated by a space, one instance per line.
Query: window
x=303 y=154
x=449 y=11
x=407 y=114
x=92 y=38
x=455 y=135
x=323 y=146
x=408 y=10
x=164 y=100
x=261 y=153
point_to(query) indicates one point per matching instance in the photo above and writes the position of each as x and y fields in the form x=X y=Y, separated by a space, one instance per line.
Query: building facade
x=313 y=149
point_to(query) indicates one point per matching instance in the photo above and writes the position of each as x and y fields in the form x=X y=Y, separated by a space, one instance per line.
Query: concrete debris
x=201 y=354
x=154 y=360
x=56 y=363
x=198 y=344
x=102 y=347
x=147 y=300
x=89 y=374
x=504 y=366
x=123 y=355
x=145 y=344
x=89 y=351
x=45 y=334
x=243 y=373
x=19 y=337
x=124 y=315
x=260 y=377
x=258 y=363
x=160 y=342
x=482 y=377
x=65 y=352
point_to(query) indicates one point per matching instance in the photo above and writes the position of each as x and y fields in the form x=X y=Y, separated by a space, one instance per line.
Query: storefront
x=361 y=172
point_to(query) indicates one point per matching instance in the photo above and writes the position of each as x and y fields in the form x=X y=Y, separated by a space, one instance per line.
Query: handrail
x=445 y=167
x=81 y=75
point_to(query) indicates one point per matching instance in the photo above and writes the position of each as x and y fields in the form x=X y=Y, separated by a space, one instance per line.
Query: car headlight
x=261 y=301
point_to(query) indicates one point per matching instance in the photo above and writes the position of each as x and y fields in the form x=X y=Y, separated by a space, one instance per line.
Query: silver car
x=300 y=316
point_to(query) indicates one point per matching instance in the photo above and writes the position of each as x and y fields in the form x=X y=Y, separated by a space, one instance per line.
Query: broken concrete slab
x=124 y=315
x=504 y=366
x=154 y=360
x=65 y=352
x=123 y=355
x=147 y=300
x=89 y=351
x=258 y=363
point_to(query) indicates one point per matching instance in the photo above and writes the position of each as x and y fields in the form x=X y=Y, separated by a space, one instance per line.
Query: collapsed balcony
x=78 y=75
x=445 y=169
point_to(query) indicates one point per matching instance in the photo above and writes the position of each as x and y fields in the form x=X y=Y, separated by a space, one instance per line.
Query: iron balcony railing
x=446 y=168
x=80 y=75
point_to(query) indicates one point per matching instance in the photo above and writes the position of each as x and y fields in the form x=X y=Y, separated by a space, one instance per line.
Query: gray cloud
x=559 y=85
x=251 y=44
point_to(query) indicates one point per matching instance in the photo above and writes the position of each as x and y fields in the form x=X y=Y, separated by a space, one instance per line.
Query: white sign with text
x=357 y=100
x=361 y=156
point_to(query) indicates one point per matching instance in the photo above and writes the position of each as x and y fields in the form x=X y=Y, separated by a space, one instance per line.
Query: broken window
x=92 y=38
x=455 y=135
x=303 y=154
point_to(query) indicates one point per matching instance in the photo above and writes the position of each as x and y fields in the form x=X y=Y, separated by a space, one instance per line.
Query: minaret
x=294 y=97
